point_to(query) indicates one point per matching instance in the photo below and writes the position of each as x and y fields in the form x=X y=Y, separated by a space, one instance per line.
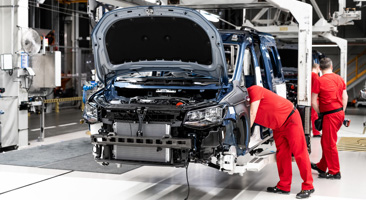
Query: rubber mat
x=86 y=163
x=67 y=155
x=352 y=144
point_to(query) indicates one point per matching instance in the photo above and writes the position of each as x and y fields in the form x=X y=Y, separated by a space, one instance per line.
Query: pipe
x=12 y=28
x=11 y=6
x=42 y=127
x=317 y=9
x=325 y=45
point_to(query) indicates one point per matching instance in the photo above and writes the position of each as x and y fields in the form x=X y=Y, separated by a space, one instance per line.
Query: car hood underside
x=157 y=39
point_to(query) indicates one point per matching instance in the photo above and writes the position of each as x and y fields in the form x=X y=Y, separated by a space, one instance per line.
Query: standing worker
x=331 y=91
x=314 y=114
x=275 y=112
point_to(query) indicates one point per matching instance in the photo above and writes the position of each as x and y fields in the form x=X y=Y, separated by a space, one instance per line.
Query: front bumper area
x=141 y=150
x=173 y=143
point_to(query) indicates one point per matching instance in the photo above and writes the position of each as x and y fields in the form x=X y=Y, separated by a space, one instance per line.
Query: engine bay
x=178 y=97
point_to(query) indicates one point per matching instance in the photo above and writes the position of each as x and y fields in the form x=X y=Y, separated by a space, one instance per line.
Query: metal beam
x=303 y=14
x=127 y=3
x=118 y=3
x=260 y=14
x=316 y=8
x=342 y=44
x=212 y=4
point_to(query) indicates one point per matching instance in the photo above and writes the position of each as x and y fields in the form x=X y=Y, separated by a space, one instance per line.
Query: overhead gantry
x=300 y=29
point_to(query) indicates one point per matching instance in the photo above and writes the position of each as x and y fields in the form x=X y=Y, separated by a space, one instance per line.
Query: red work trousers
x=314 y=116
x=290 y=140
x=331 y=125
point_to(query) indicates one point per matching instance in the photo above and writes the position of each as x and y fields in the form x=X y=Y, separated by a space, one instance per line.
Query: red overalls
x=329 y=88
x=288 y=134
x=314 y=115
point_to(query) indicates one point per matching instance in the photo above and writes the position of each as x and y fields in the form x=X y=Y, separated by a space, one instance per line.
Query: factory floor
x=76 y=176
x=66 y=121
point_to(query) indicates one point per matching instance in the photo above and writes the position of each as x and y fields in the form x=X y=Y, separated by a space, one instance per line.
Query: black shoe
x=317 y=136
x=276 y=190
x=304 y=194
x=330 y=176
x=315 y=167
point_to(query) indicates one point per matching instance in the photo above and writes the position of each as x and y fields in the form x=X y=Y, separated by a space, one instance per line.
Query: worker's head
x=326 y=64
x=315 y=67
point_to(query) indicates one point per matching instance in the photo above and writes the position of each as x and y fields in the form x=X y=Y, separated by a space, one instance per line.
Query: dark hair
x=325 y=63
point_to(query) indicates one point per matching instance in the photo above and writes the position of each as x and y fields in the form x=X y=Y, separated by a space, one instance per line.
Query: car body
x=175 y=88
x=262 y=65
x=167 y=99
x=257 y=53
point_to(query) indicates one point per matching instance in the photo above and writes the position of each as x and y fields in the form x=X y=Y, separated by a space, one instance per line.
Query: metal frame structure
x=303 y=31
x=300 y=10
x=321 y=29
x=13 y=14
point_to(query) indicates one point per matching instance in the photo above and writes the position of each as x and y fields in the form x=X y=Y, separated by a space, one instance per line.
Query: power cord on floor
x=187 y=181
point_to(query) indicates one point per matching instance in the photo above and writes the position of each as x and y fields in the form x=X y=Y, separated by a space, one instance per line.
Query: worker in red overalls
x=275 y=112
x=314 y=114
x=331 y=91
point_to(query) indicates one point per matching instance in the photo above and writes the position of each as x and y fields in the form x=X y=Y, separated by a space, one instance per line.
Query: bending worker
x=275 y=112
x=331 y=91
x=314 y=114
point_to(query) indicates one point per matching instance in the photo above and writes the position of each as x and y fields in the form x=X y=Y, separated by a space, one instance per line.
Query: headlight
x=204 y=117
x=90 y=113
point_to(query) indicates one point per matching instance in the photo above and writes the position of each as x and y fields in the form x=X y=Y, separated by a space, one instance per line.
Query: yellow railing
x=358 y=72
x=57 y=101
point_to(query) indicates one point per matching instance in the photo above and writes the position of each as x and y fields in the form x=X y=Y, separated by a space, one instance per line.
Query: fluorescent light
x=151 y=1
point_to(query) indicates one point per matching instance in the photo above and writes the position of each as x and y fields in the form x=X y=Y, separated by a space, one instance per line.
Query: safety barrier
x=58 y=100
x=359 y=70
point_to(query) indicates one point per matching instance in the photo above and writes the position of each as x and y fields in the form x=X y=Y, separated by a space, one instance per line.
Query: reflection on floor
x=66 y=121
x=19 y=182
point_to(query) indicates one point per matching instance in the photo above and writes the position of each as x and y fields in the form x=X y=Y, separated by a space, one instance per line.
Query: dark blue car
x=175 y=88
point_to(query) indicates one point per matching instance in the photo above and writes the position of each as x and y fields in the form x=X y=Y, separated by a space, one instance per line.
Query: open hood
x=158 y=38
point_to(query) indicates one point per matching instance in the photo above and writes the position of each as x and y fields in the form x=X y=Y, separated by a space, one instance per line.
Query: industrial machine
x=24 y=64
x=361 y=99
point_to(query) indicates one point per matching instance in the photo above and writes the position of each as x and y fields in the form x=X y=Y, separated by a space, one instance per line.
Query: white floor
x=28 y=183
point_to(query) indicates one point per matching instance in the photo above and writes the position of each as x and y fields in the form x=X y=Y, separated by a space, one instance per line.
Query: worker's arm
x=344 y=99
x=253 y=111
x=314 y=102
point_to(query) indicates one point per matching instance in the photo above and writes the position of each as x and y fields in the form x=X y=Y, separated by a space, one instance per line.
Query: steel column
x=303 y=13
x=343 y=45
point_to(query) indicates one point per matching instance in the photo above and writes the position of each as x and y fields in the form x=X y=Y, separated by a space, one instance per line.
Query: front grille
x=151 y=116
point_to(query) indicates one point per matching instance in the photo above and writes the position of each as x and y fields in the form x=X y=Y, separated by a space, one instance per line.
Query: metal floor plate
x=352 y=144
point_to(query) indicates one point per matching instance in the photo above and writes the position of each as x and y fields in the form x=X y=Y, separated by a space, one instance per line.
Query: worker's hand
x=314 y=102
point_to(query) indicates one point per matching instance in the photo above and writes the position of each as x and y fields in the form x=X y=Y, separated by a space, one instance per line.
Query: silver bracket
x=149 y=11
x=141 y=113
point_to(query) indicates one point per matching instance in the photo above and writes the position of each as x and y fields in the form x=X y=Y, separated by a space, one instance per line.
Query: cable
x=57 y=7
x=187 y=181
x=59 y=12
x=43 y=180
x=31 y=83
